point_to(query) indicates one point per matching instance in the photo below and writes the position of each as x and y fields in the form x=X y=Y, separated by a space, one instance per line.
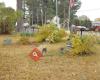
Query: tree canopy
x=82 y=21
x=48 y=8
x=8 y=18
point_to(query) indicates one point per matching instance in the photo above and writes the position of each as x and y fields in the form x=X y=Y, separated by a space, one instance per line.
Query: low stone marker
x=7 y=41
x=62 y=50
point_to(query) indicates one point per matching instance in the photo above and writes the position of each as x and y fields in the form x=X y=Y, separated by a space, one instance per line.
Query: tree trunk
x=19 y=22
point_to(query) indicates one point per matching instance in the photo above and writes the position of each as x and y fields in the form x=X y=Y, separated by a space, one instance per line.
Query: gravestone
x=62 y=50
x=7 y=41
x=69 y=44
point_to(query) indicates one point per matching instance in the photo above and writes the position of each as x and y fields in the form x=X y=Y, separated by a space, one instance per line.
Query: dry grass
x=15 y=64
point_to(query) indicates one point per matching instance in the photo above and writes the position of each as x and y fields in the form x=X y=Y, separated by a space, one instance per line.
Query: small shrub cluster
x=82 y=45
x=49 y=32
x=98 y=40
x=56 y=36
x=24 y=40
x=27 y=34
x=44 y=32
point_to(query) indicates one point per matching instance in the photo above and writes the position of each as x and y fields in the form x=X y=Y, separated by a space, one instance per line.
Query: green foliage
x=86 y=23
x=98 y=40
x=51 y=33
x=2 y=5
x=82 y=21
x=26 y=34
x=56 y=36
x=44 y=32
x=83 y=45
x=48 y=7
x=62 y=33
x=24 y=40
x=8 y=18
x=76 y=22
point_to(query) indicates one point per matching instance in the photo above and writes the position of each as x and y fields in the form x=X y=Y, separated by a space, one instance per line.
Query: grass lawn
x=15 y=64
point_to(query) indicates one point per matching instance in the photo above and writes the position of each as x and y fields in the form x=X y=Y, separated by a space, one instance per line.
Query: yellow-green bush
x=26 y=34
x=62 y=33
x=44 y=32
x=98 y=40
x=24 y=40
x=51 y=33
x=83 y=45
x=56 y=36
x=39 y=38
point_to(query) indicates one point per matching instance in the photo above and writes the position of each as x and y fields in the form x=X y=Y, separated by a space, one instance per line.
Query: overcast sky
x=11 y=3
x=91 y=8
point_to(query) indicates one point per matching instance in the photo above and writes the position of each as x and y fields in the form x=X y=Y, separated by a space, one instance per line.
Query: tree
x=75 y=8
x=83 y=17
x=76 y=21
x=48 y=9
x=8 y=18
x=20 y=21
x=82 y=21
x=2 y=5
x=85 y=21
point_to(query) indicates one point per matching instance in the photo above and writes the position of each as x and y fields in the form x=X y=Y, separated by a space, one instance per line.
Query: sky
x=10 y=3
x=90 y=8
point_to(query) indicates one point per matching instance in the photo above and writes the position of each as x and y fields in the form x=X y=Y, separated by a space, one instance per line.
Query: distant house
x=96 y=25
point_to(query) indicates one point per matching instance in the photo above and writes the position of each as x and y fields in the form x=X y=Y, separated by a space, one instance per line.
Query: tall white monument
x=56 y=20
